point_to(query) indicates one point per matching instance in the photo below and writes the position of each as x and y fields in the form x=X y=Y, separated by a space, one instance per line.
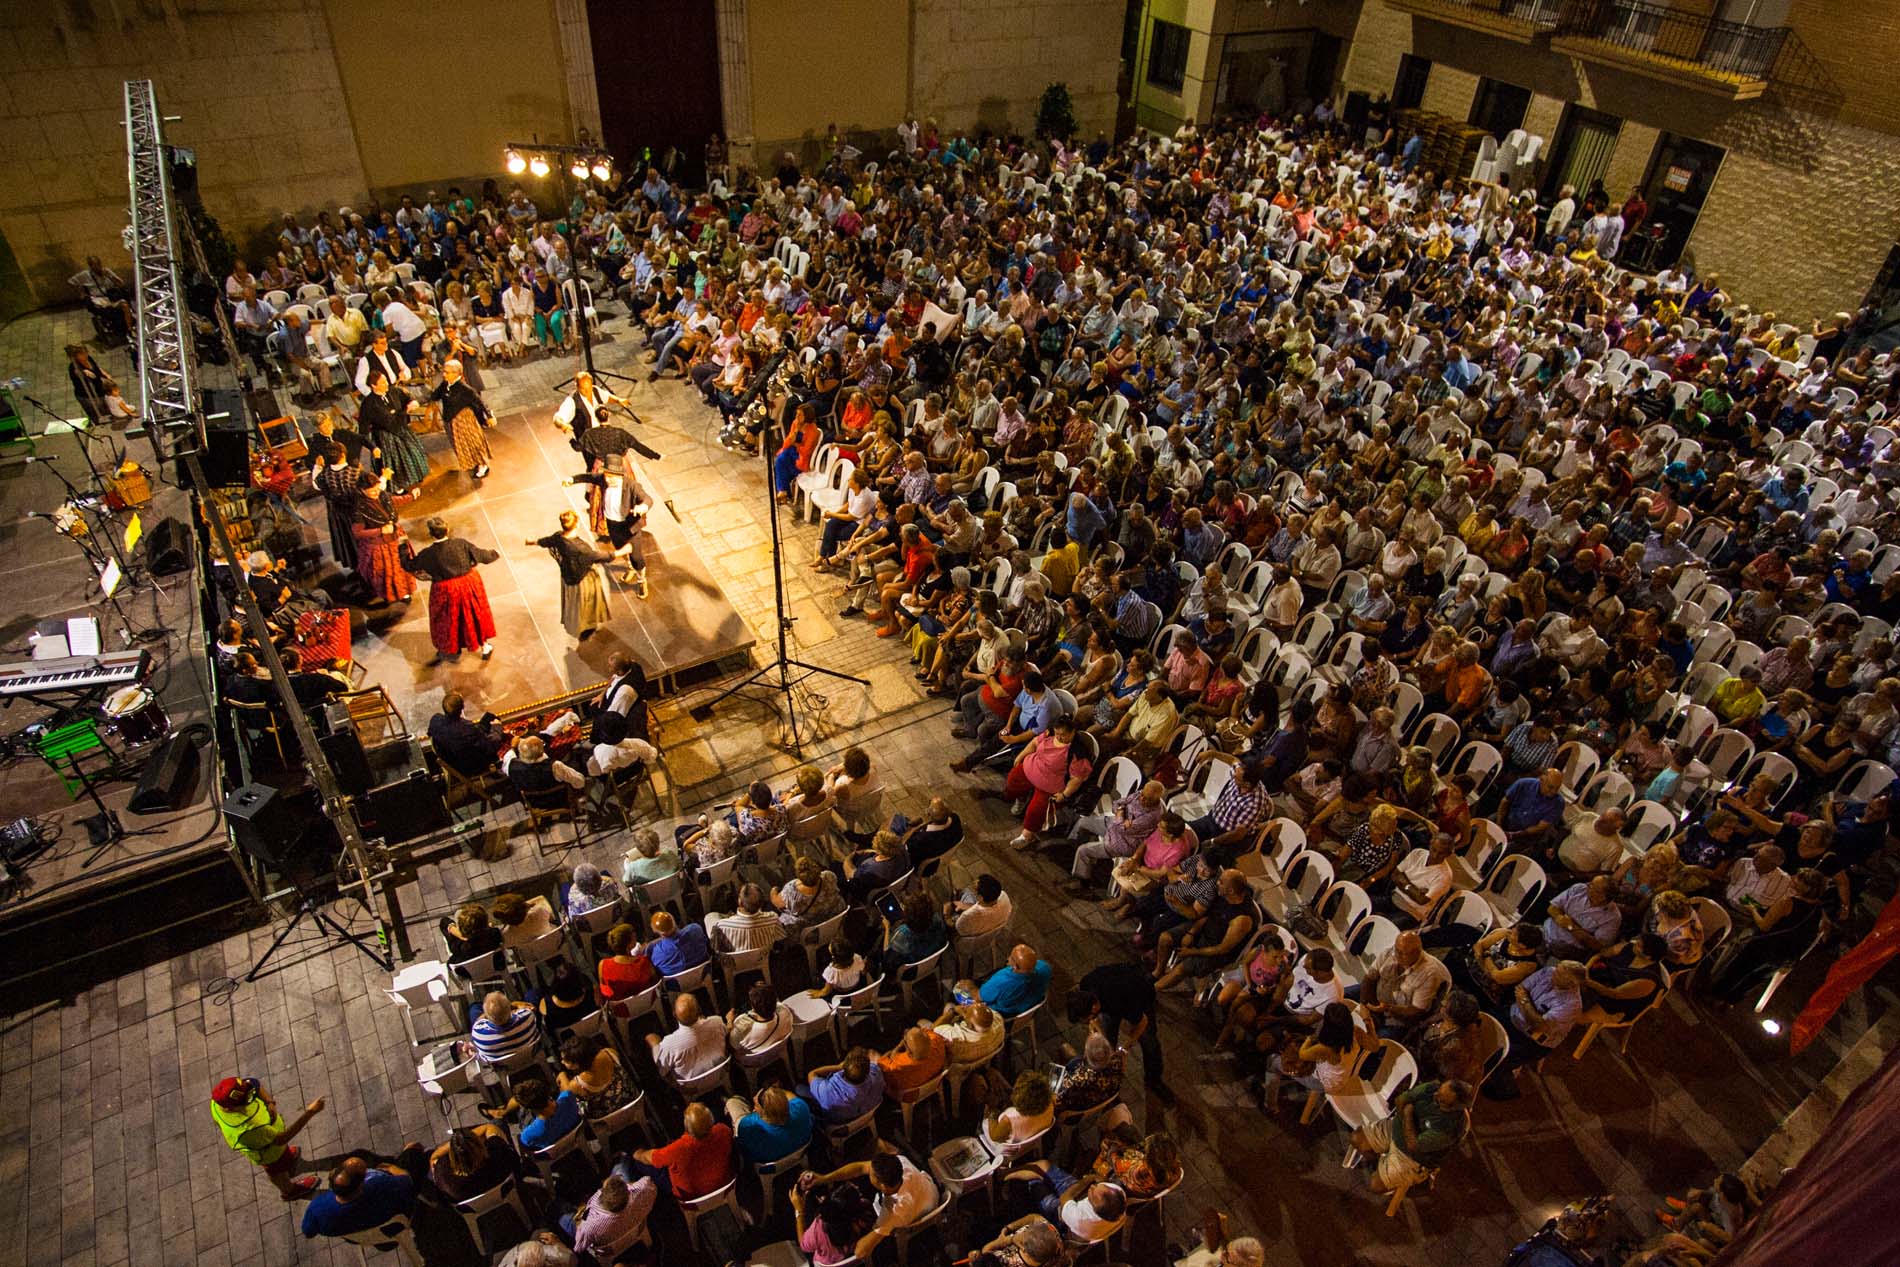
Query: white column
x=735 y=81
x=577 y=60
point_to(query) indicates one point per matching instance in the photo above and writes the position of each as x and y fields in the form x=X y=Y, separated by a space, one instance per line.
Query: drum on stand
x=134 y=714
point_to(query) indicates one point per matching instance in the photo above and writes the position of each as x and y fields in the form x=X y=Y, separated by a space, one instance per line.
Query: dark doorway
x=1409 y=89
x=656 y=67
x=1322 y=67
x=1585 y=140
x=1680 y=174
x=1499 y=107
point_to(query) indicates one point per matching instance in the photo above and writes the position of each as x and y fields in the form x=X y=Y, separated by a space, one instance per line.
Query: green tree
x=1055 y=116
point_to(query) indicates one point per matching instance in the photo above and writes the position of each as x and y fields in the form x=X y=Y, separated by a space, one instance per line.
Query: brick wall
x=1383 y=37
x=1450 y=91
x=1803 y=212
x=982 y=63
x=255 y=82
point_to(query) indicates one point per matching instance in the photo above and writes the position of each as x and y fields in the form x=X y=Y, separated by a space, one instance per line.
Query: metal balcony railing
x=1727 y=48
x=1770 y=57
x=1540 y=15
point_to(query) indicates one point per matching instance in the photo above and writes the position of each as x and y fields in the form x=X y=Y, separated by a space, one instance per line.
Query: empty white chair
x=1578 y=762
x=1514 y=886
x=1437 y=733
x=1645 y=823
x=1479 y=760
x=1607 y=789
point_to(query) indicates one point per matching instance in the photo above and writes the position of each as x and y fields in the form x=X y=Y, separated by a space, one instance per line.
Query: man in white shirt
x=981 y=910
x=1594 y=843
x=405 y=327
x=694 y=1047
x=1422 y=879
x=382 y=357
x=1757 y=883
x=904 y=1194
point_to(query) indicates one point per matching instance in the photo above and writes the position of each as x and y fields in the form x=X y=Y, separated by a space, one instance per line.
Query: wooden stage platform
x=687 y=623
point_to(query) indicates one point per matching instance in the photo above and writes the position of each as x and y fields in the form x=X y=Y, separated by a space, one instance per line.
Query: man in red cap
x=248 y=1117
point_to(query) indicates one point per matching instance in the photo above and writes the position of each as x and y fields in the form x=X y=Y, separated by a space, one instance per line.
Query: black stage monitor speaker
x=343 y=749
x=405 y=810
x=169 y=776
x=168 y=548
x=262 y=824
x=227 y=453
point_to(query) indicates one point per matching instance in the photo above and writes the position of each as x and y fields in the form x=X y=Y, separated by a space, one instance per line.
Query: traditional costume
x=466 y=418
x=385 y=418
x=583 y=597
x=378 y=548
x=459 y=616
x=339 y=486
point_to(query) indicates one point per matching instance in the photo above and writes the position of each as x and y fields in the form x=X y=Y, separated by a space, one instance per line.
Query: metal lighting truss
x=164 y=324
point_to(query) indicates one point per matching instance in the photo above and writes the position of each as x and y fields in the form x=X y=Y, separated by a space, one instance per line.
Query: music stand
x=70 y=742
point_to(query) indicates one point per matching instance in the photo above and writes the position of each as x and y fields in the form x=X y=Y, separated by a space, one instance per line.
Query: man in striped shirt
x=505 y=1028
x=753 y=926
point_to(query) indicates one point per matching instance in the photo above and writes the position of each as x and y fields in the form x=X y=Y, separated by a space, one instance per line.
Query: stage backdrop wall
x=435 y=92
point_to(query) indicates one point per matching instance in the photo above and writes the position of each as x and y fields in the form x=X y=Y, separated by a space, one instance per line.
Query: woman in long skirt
x=583 y=597
x=459 y=616
x=466 y=418
x=378 y=546
x=338 y=480
x=385 y=419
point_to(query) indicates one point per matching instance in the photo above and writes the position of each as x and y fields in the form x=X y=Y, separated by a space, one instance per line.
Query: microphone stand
x=85 y=442
x=783 y=665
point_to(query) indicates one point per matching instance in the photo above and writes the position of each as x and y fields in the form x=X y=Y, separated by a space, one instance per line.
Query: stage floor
x=685 y=623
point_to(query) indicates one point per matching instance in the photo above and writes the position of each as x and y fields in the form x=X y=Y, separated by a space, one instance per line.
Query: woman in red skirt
x=378 y=544
x=459 y=616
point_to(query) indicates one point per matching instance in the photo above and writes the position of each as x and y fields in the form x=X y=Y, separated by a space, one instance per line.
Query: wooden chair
x=489 y=787
x=255 y=718
x=556 y=805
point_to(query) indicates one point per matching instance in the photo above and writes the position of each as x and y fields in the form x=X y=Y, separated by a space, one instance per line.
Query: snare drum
x=134 y=715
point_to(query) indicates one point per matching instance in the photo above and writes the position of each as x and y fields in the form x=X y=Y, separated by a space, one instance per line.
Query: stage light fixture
x=539 y=165
x=603 y=169
x=579 y=168
x=516 y=164
x=1770 y=1026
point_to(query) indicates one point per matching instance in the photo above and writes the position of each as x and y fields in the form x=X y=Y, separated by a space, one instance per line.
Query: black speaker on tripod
x=282 y=833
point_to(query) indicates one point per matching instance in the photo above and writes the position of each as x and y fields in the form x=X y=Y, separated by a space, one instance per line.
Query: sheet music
x=82 y=636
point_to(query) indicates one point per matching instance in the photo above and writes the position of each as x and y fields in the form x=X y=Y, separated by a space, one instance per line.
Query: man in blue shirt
x=555 y=1116
x=1018 y=986
x=1533 y=806
x=675 y=949
x=361 y=1196
x=847 y=1090
x=778 y=1125
x=1084 y=522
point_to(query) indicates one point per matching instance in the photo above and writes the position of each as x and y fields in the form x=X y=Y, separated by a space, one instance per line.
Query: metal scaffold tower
x=163 y=336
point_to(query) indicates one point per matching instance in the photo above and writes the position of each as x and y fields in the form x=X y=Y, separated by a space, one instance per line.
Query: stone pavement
x=108 y=1154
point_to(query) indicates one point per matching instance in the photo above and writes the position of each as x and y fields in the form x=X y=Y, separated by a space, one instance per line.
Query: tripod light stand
x=786 y=671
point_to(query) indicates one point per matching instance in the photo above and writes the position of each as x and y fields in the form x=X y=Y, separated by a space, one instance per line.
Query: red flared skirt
x=379 y=566
x=459 y=617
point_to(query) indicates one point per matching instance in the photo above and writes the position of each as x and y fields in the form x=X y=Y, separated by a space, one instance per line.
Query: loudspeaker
x=405 y=810
x=227 y=453
x=168 y=548
x=262 y=401
x=343 y=749
x=262 y=824
x=170 y=773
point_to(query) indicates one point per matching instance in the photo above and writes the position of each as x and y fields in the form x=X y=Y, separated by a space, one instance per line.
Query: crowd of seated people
x=1442 y=642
